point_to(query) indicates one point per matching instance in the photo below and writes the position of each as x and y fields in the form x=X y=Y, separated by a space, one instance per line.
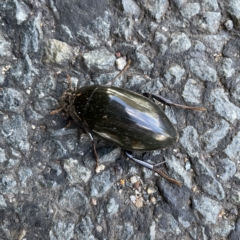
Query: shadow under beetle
x=125 y=118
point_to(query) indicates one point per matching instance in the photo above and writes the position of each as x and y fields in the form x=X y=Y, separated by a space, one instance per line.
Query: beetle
x=120 y=116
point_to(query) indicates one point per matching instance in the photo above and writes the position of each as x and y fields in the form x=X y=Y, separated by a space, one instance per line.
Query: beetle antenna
x=69 y=82
x=119 y=74
x=153 y=167
x=56 y=110
x=166 y=177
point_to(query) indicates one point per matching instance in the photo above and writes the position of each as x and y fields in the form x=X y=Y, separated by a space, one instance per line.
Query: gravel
x=185 y=51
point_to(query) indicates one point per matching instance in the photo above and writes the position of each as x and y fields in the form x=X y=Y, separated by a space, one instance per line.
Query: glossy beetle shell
x=120 y=116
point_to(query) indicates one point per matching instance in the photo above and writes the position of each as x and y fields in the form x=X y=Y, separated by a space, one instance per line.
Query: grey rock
x=2 y=156
x=152 y=231
x=73 y=198
x=61 y=230
x=105 y=78
x=174 y=75
x=67 y=31
x=2 y=77
x=142 y=62
x=84 y=229
x=229 y=25
x=3 y=204
x=5 y=47
x=45 y=86
x=24 y=174
x=12 y=162
x=210 y=5
x=236 y=232
x=180 y=43
x=199 y=46
x=170 y=115
x=22 y=11
x=179 y=3
x=124 y=29
x=215 y=42
x=31 y=36
x=192 y=92
x=232 y=150
x=15 y=132
x=225 y=69
x=112 y=206
x=201 y=70
x=99 y=60
x=76 y=172
x=223 y=228
x=102 y=26
x=159 y=37
x=31 y=114
x=153 y=86
x=8 y=184
x=188 y=166
x=228 y=169
x=88 y=38
x=189 y=140
x=223 y=106
x=234 y=10
x=189 y=10
x=232 y=49
x=57 y=53
x=168 y=220
x=23 y=73
x=101 y=183
x=124 y=231
x=212 y=137
x=174 y=165
x=157 y=8
x=162 y=49
x=43 y=105
x=111 y=156
x=236 y=90
x=235 y=195
x=129 y=7
x=135 y=82
x=207 y=181
x=210 y=22
x=207 y=208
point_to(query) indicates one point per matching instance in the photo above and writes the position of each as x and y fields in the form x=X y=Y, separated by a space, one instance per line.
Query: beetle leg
x=56 y=110
x=170 y=103
x=94 y=150
x=153 y=168
x=69 y=82
x=69 y=123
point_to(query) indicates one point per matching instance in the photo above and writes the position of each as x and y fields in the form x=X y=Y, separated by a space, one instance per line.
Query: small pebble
x=153 y=200
x=229 y=25
x=187 y=166
x=100 y=168
x=133 y=179
x=150 y=190
x=137 y=185
x=94 y=201
x=133 y=198
x=121 y=63
x=139 y=202
x=122 y=182
x=99 y=228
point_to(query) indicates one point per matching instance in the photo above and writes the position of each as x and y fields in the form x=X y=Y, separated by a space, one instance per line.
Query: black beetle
x=123 y=117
